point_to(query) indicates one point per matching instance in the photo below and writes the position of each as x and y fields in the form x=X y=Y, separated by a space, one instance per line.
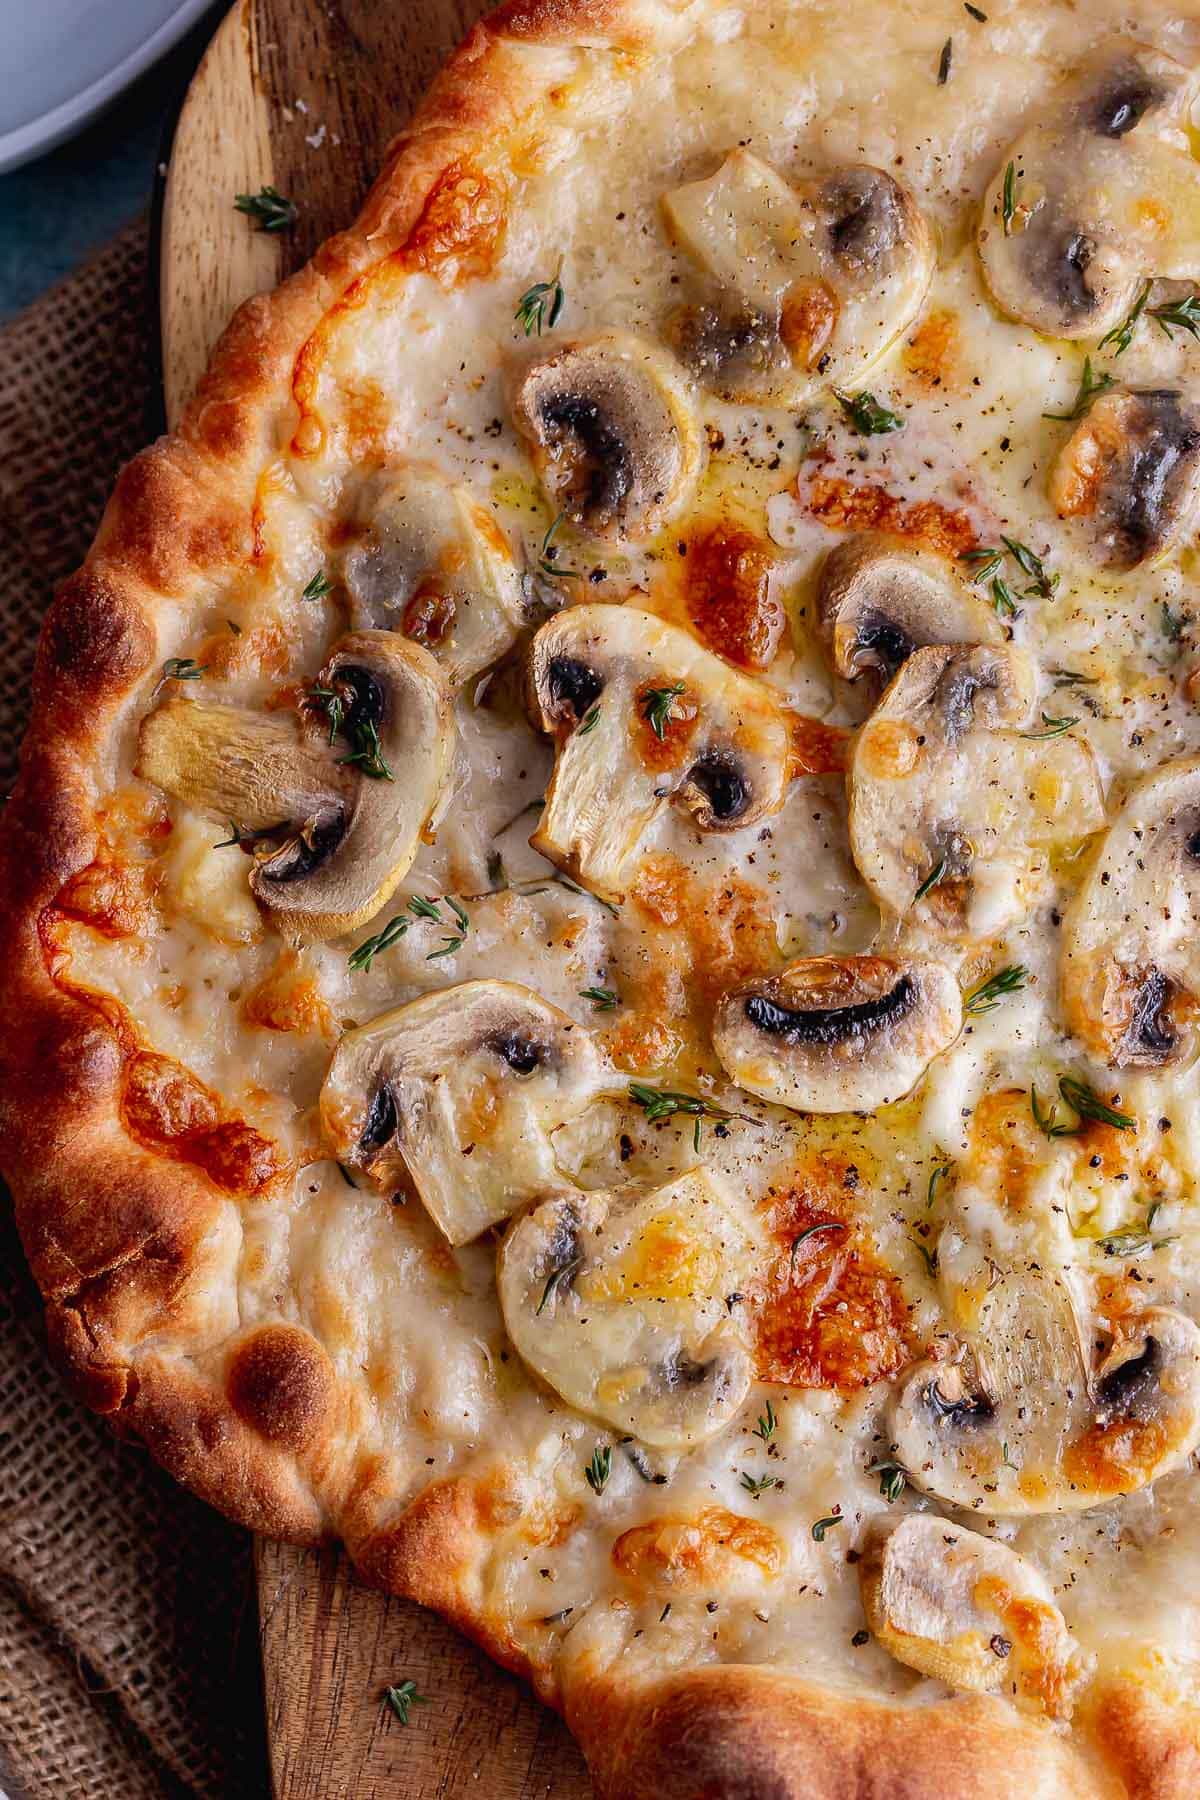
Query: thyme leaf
x=269 y=209
x=1183 y=313
x=758 y=1484
x=317 y=587
x=1121 y=336
x=371 y=947
x=1008 y=203
x=541 y=305
x=658 y=706
x=867 y=415
x=1091 y=386
x=931 y=880
x=402 y=1696
x=826 y=1524
x=603 y=999
x=548 y=564
x=555 y=1280
x=599 y=1469
x=591 y=719
x=182 y=668
x=811 y=1231
x=944 y=62
x=987 y=996
x=1052 y=727
x=765 y=1428
x=892 y=1477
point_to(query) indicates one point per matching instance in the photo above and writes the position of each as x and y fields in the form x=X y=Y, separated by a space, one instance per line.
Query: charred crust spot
x=280 y=1382
x=381 y=1121
x=832 y=1025
x=1130 y=1390
x=573 y=686
x=717 y=776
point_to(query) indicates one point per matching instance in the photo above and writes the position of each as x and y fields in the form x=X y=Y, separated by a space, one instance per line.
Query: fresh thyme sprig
x=269 y=209
x=1121 y=336
x=758 y=1484
x=1052 y=727
x=1008 y=201
x=931 y=880
x=1136 y=1240
x=548 y=564
x=599 y=1469
x=658 y=706
x=1085 y=1102
x=892 y=1477
x=659 y=1104
x=1091 y=386
x=402 y=1696
x=1042 y=585
x=867 y=415
x=182 y=668
x=317 y=587
x=362 y=735
x=765 y=1428
x=602 y=998
x=371 y=947
x=1183 y=313
x=541 y=306
x=555 y=1280
x=330 y=702
x=987 y=996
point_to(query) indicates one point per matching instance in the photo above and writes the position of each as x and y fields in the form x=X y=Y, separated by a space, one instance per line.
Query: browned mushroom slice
x=879 y=599
x=1130 y=473
x=618 y=1302
x=643 y=716
x=613 y=432
x=838 y=1034
x=1094 y=198
x=425 y=559
x=1130 y=965
x=967 y=1432
x=353 y=821
x=809 y=282
x=968 y=1611
x=949 y=800
x=459 y=1093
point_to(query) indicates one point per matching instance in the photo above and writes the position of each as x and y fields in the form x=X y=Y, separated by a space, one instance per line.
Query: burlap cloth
x=128 y=1642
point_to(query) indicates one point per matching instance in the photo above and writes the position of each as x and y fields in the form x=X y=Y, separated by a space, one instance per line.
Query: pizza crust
x=126 y=1245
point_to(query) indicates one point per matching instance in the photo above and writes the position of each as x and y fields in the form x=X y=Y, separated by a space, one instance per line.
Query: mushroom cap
x=838 y=1034
x=613 y=432
x=428 y=561
x=1130 y=473
x=963 y=1609
x=460 y=1091
x=339 y=870
x=1023 y=1424
x=618 y=1302
x=1103 y=200
x=723 y=754
x=1130 y=963
x=811 y=281
x=940 y=778
x=879 y=599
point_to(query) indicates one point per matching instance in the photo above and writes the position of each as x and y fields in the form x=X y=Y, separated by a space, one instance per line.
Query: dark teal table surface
x=54 y=212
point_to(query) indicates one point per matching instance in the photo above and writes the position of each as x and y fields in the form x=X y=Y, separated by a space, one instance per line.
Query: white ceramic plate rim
x=52 y=127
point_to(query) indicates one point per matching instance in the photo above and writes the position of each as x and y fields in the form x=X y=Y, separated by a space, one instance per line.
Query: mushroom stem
x=253 y=768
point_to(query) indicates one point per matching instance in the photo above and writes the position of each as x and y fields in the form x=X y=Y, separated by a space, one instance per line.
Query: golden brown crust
x=118 y=1231
x=755 y=1734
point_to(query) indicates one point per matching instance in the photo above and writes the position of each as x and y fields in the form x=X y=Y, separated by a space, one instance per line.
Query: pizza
x=603 y=932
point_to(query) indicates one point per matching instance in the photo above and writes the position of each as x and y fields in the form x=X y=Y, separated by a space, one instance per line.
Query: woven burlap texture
x=128 y=1649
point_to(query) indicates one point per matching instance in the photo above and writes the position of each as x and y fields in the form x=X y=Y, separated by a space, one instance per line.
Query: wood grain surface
x=304 y=95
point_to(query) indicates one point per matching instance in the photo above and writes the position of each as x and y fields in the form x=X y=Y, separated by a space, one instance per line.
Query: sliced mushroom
x=1022 y=1422
x=642 y=715
x=810 y=282
x=878 y=600
x=1131 y=938
x=354 y=823
x=968 y=1611
x=838 y=1034
x=460 y=1092
x=613 y=432
x=427 y=560
x=618 y=1301
x=1130 y=472
x=949 y=800
x=1094 y=198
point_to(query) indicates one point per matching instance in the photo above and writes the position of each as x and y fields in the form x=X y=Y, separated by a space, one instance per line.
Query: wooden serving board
x=304 y=95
